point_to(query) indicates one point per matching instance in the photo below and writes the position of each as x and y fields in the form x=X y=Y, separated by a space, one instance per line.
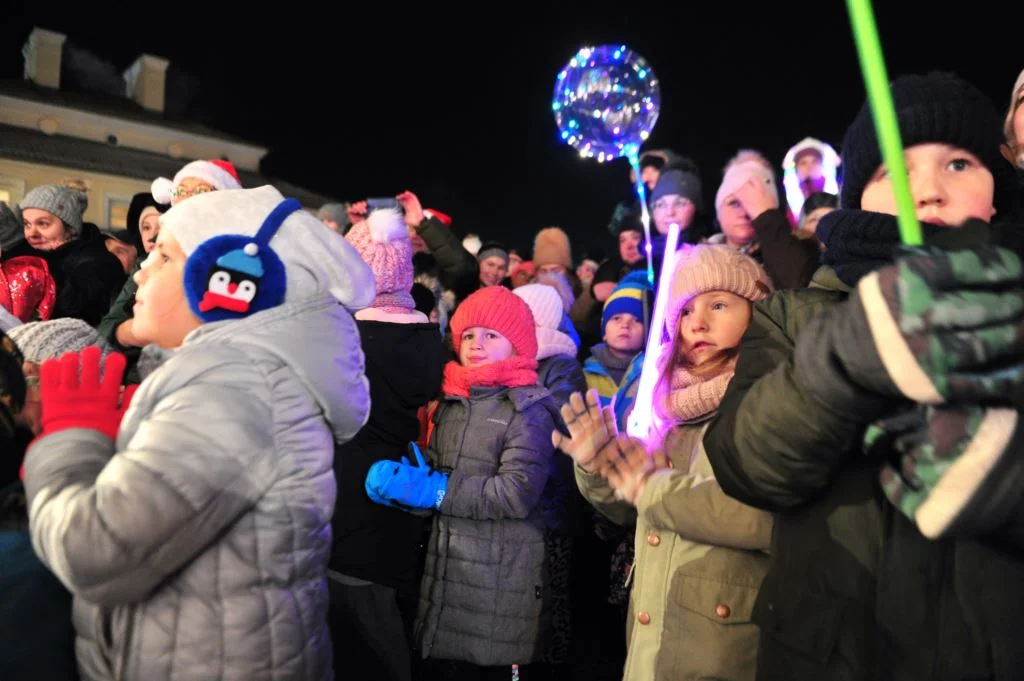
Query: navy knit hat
x=937 y=107
x=682 y=182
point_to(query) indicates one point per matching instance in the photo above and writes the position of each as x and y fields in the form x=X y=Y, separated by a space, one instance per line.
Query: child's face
x=712 y=323
x=480 y=346
x=624 y=333
x=162 y=313
x=815 y=216
x=149 y=227
x=673 y=208
x=949 y=185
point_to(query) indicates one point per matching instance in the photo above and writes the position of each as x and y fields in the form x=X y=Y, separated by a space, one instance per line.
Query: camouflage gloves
x=948 y=326
x=936 y=327
x=951 y=470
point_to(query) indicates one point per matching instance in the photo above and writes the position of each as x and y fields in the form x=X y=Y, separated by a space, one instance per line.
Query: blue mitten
x=402 y=485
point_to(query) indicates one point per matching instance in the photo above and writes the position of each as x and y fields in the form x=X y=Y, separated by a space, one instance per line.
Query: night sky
x=456 y=107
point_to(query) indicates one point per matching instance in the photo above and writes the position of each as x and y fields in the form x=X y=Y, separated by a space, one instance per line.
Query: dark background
x=375 y=99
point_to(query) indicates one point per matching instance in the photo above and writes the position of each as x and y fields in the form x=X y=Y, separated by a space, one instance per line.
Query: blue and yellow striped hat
x=631 y=295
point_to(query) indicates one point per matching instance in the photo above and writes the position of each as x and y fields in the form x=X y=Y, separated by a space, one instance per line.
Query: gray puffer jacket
x=483 y=591
x=197 y=547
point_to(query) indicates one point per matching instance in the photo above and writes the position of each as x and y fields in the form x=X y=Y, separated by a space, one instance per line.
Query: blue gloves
x=405 y=486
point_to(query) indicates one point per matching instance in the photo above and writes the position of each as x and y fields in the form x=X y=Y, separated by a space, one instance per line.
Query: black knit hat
x=937 y=107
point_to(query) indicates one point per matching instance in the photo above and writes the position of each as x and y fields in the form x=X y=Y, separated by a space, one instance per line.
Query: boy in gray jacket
x=195 y=533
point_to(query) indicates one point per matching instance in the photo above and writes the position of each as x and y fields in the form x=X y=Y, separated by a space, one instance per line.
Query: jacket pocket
x=709 y=632
x=725 y=603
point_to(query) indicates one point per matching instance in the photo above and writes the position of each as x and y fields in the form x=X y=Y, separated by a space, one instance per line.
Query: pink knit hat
x=382 y=240
x=704 y=268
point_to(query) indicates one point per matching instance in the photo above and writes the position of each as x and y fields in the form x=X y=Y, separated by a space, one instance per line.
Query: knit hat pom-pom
x=386 y=226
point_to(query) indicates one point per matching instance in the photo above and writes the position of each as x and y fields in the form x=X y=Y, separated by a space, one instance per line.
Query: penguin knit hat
x=317 y=261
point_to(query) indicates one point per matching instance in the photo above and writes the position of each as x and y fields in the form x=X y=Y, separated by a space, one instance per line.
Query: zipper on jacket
x=448 y=538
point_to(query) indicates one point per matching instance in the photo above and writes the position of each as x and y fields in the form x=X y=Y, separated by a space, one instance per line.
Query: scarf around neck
x=514 y=372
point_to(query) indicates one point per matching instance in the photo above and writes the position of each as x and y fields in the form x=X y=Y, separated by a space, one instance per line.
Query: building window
x=12 y=189
x=115 y=213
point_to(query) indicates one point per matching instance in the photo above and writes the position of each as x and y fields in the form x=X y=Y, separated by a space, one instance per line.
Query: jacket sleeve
x=566 y=378
x=790 y=262
x=113 y=526
x=696 y=508
x=596 y=490
x=459 y=270
x=120 y=311
x=522 y=473
x=772 y=445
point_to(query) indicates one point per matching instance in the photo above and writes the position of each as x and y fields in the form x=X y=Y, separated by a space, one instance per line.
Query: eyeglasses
x=182 y=193
x=672 y=204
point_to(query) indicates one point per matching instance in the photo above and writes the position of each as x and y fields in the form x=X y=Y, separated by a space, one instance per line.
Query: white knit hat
x=738 y=172
x=218 y=174
x=546 y=306
x=316 y=259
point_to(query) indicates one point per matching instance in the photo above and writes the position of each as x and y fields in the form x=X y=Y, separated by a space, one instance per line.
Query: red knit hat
x=495 y=307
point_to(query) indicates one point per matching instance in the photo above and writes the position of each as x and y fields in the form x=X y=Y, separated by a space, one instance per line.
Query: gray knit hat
x=335 y=212
x=12 y=232
x=40 y=341
x=66 y=203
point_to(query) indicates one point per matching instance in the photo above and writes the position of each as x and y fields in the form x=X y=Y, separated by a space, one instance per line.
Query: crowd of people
x=243 y=440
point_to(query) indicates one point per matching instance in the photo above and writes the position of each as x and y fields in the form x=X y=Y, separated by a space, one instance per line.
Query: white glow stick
x=641 y=418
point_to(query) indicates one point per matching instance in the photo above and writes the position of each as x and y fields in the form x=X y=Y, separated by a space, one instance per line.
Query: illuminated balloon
x=606 y=102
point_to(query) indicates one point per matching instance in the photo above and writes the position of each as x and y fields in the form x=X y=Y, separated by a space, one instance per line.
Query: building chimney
x=42 y=52
x=145 y=82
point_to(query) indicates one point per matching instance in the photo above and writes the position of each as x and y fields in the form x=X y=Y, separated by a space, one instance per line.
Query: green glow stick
x=876 y=81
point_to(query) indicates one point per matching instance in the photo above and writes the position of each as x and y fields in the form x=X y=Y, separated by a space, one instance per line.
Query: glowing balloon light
x=608 y=99
x=614 y=95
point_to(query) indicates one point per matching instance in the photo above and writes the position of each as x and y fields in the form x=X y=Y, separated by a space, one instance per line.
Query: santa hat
x=316 y=260
x=382 y=240
x=218 y=174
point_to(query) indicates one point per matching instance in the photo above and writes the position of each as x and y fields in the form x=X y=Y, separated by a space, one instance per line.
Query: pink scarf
x=690 y=397
x=514 y=372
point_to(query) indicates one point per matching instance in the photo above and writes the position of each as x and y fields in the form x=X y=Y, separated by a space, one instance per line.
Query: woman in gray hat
x=88 y=276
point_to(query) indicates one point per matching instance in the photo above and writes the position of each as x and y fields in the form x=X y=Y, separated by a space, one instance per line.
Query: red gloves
x=73 y=397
